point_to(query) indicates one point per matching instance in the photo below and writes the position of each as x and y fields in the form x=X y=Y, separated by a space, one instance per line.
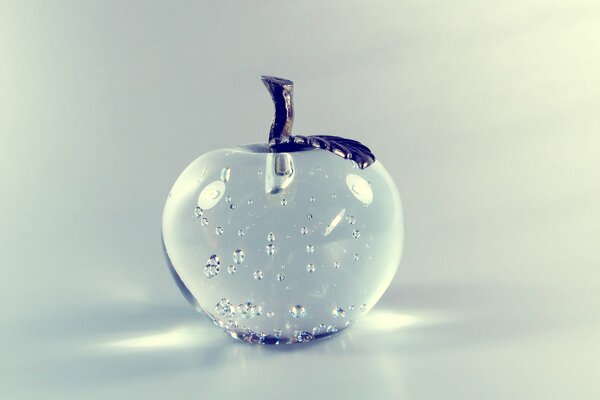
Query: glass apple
x=286 y=242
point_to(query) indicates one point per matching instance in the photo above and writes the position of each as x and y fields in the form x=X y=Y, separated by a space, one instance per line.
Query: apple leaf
x=345 y=148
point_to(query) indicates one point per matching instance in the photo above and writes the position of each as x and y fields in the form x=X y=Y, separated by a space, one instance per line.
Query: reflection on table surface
x=417 y=348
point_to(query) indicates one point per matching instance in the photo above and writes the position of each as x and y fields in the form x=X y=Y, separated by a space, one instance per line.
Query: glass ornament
x=287 y=242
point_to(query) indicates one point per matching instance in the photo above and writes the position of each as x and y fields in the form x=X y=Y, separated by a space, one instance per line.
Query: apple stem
x=281 y=139
x=281 y=91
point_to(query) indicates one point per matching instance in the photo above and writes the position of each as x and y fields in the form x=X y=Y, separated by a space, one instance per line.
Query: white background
x=485 y=113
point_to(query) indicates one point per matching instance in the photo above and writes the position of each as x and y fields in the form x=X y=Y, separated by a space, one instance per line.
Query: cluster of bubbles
x=225 y=308
x=258 y=275
x=248 y=309
x=211 y=269
x=298 y=311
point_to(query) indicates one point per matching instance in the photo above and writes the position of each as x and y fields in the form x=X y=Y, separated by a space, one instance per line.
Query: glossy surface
x=283 y=247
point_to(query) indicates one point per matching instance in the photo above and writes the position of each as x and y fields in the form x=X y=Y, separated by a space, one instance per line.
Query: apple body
x=282 y=247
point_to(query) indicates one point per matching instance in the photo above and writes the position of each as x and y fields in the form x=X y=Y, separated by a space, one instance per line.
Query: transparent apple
x=280 y=247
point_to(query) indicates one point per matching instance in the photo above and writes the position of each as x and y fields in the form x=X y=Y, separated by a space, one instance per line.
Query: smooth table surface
x=469 y=342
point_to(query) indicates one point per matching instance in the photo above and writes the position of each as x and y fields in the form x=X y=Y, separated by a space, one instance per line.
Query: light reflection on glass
x=211 y=194
x=360 y=188
x=334 y=222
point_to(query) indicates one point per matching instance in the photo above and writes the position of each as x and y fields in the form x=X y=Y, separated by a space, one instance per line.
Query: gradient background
x=486 y=113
